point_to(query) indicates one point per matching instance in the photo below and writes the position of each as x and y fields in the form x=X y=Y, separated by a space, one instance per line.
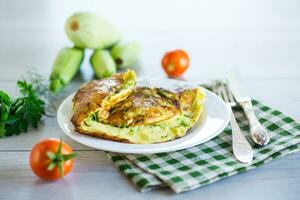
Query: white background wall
x=260 y=38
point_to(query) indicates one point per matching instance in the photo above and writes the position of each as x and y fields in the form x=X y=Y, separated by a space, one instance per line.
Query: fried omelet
x=101 y=95
x=146 y=115
x=144 y=106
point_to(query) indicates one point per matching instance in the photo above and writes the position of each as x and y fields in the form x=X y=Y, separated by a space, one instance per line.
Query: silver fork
x=242 y=150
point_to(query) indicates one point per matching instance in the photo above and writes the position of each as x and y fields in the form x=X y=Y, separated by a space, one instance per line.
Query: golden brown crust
x=91 y=97
x=187 y=97
x=143 y=107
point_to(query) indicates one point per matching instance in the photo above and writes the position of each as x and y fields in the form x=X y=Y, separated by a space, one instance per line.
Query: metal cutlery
x=242 y=150
x=258 y=133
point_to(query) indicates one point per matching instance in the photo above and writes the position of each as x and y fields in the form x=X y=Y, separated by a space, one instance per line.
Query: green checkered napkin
x=212 y=161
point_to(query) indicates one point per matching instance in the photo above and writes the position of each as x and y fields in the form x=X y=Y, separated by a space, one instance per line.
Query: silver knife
x=258 y=133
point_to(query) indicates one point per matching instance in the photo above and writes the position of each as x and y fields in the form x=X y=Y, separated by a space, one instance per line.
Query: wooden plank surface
x=260 y=38
x=94 y=177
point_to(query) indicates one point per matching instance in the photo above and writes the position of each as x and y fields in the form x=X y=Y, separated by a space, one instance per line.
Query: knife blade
x=236 y=88
x=258 y=133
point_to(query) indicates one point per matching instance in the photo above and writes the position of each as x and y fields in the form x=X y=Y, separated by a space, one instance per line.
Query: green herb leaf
x=5 y=103
x=25 y=111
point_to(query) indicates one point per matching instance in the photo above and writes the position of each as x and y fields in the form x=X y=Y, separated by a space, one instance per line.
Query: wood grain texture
x=260 y=38
x=93 y=177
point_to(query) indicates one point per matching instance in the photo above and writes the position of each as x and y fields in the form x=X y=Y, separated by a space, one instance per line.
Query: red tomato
x=51 y=159
x=175 y=63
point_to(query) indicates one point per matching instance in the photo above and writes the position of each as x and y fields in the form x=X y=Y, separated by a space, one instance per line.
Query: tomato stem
x=57 y=159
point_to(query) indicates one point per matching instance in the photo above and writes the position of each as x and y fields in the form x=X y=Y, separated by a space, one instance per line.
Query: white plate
x=213 y=121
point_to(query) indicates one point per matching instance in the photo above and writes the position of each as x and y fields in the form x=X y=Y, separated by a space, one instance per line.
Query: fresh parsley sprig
x=5 y=103
x=26 y=111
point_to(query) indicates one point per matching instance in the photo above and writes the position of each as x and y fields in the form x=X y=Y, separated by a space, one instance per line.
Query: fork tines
x=223 y=91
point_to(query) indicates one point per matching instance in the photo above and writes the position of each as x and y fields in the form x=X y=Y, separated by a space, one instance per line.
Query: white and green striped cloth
x=206 y=163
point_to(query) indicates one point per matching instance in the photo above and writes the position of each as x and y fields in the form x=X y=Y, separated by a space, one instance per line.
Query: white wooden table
x=260 y=38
